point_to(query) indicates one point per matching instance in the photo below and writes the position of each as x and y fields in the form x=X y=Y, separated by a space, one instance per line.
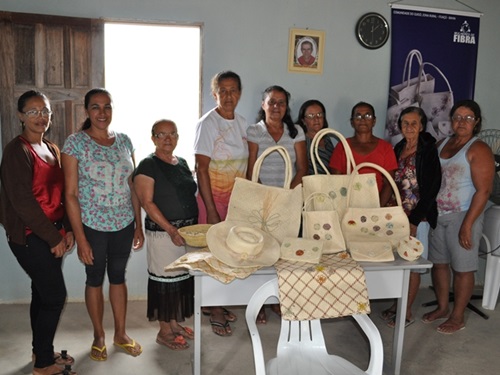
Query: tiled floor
x=475 y=350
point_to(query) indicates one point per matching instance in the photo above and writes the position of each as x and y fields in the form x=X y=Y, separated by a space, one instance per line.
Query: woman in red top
x=32 y=213
x=366 y=147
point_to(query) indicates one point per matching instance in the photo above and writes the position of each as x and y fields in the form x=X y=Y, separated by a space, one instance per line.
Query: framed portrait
x=305 y=51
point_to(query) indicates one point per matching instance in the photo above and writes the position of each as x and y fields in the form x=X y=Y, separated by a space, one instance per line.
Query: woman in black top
x=166 y=190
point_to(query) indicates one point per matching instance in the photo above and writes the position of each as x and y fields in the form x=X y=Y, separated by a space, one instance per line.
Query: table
x=383 y=280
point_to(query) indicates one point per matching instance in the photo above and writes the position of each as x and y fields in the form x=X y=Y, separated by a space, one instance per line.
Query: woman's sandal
x=49 y=370
x=176 y=344
x=60 y=359
x=387 y=315
x=186 y=332
x=230 y=317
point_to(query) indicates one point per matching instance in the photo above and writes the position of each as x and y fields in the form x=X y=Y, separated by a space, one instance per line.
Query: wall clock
x=372 y=30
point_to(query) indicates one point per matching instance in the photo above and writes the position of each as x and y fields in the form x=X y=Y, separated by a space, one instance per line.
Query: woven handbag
x=322 y=225
x=275 y=210
x=372 y=225
x=364 y=187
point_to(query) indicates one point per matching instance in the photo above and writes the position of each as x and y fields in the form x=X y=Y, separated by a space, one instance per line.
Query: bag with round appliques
x=376 y=225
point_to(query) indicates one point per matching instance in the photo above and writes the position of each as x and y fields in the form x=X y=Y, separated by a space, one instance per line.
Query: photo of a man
x=306 y=51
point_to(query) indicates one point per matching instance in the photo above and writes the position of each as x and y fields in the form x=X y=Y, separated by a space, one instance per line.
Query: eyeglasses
x=468 y=119
x=366 y=116
x=280 y=103
x=310 y=116
x=162 y=135
x=34 y=113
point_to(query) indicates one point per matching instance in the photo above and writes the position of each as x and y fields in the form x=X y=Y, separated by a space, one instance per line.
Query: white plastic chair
x=491 y=234
x=301 y=345
x=491 y=241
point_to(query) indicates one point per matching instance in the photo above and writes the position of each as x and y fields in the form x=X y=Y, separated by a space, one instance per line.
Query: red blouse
x=48 y=185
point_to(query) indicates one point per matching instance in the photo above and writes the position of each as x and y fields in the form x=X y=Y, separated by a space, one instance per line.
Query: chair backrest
x=305 y=336
x=492 y=138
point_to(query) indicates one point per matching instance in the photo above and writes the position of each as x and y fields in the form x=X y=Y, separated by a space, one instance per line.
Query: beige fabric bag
x=274 y=210
x=380 y=251
x=373 y=225
x=321 y=225
x=365 y=192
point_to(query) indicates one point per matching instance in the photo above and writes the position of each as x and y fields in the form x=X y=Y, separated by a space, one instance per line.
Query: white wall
x=251 y=38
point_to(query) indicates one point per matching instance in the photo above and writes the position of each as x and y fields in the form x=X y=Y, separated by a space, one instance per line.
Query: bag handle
x=409 y=59
x=318 y=195
x=381 y=170
x=286 y=157
x=313 y=151
x=419 y=97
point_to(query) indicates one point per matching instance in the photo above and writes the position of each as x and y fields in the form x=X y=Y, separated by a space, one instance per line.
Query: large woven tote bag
x=364 y=194
x=372 y=225
x=275 y=210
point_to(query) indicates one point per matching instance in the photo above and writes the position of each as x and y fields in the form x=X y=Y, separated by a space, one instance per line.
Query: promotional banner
x=433 y=65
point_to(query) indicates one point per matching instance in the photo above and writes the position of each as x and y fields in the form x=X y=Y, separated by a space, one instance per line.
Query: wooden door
x=61 y=56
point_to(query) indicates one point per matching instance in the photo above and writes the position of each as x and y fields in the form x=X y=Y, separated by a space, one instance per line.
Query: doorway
x=153 y=72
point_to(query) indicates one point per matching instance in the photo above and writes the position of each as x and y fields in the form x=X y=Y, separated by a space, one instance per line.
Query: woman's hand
x=413 y=230
x=60 y=249
x=138 y=238
x=176 y=237
x=85 y=253
x=70 y=240
x=465 y=237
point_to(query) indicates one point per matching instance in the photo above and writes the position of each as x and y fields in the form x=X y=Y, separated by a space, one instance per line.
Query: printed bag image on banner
x=421 y=74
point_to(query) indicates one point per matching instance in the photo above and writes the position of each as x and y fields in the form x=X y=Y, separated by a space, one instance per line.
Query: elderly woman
x=166 y=190
x=366 y=148
x=312 y=118
x=418 y=178
x=468 y=168
x=275 y=127
x=221 y=154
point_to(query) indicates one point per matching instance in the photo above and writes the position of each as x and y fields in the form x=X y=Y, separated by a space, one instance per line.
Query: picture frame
x=305 y=51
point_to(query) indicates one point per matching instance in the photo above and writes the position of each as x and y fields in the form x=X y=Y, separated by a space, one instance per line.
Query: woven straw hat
x=242 y=246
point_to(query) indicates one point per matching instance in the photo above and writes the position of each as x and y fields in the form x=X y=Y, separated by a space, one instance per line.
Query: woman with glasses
x=38 y=231
x=468 y=168
x=167 y=192
x=418 y=178
x=105 y=215
x=275 y=127
x=366 y=148
x=312 y=118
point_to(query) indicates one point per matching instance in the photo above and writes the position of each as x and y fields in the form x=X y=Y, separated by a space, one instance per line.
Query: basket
x=195 y=235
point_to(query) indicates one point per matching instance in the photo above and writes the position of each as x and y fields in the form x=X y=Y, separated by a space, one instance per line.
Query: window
x=153 y=72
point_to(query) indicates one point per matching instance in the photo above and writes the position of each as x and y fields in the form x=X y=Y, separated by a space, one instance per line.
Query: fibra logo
x=464 y=36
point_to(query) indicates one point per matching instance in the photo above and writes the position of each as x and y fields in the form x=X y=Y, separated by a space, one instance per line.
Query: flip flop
x=391 y=323
x=213 y=323
x=426 y=320
x=102 y=356
x=63 y=358
x=186 y=332
x=387 y=315
x=230 y=317
x=440 y=330
x=60 y=359
x=131 y=348
x=66 y=370
x=173 y=344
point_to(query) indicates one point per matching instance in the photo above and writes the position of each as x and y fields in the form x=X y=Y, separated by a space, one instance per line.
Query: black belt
x=151 y=225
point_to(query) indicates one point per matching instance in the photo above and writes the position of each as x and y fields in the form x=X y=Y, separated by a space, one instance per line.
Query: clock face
x=372 y=30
